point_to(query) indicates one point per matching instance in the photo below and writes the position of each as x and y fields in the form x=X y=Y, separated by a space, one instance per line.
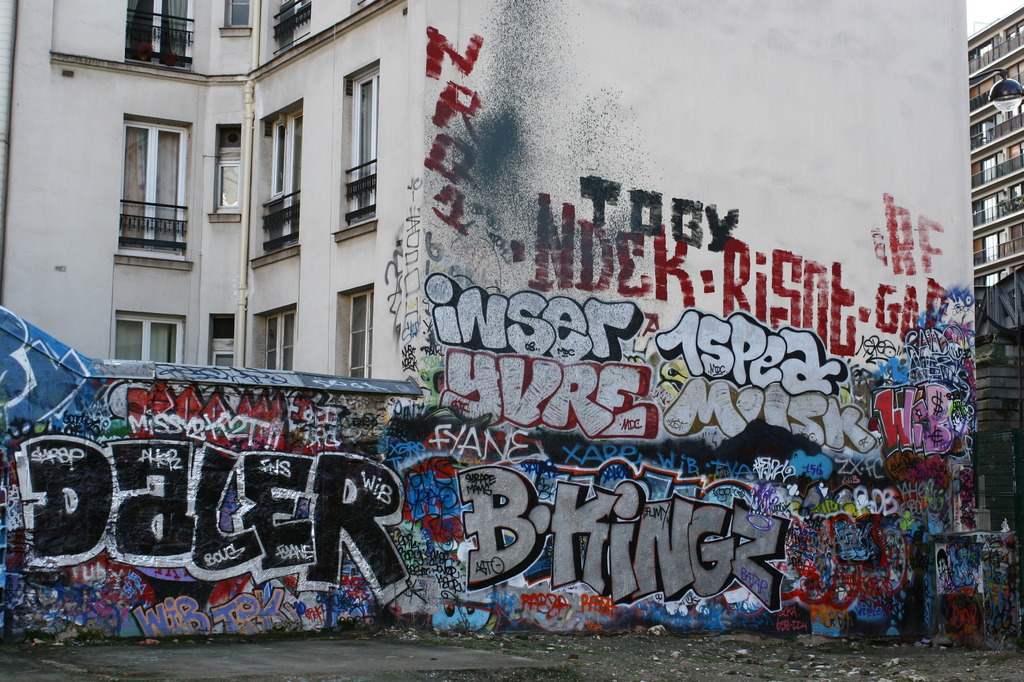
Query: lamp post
x=1006 y=94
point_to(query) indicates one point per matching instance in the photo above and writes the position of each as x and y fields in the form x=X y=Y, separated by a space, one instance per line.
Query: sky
x=981 y=13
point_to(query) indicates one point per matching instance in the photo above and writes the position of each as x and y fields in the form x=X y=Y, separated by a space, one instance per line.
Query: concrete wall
x=977 y=583
x=999 y=383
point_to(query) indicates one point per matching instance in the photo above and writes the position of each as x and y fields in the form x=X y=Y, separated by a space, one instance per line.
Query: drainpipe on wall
x=8 y=29
x=248 y=132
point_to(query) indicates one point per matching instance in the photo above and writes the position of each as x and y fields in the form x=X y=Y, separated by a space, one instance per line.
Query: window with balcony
x=229 y=158
x=236 y=13
x=159 y=32
x=291 y=21
x=985 y=47
x=988 y=168
x=147 y=338
x=153 y=211
x=983 y=132
x=281 y=213
x=361 y=179
x=991 y=245
x=278 y=339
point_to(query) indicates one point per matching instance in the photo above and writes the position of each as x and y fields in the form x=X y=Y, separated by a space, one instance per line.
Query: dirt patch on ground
x=651 y=656
x=406 y=655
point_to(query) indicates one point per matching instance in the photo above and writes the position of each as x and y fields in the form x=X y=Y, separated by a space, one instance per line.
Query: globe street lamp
x=1006 y=94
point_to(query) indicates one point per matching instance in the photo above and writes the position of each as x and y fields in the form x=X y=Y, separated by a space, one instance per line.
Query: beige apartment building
x=997 y=153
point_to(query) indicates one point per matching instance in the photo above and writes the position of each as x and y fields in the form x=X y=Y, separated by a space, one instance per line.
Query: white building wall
x=710 y=123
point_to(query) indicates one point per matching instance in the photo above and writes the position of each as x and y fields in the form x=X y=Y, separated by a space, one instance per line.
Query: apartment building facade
x=132 y=161
x=997 y=153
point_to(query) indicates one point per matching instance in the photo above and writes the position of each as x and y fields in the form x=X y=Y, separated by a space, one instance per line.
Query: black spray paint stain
x=536 y=131
x=500 y=149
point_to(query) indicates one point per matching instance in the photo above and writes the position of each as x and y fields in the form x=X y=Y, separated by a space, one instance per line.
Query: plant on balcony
x=145 y=51
x=170 y=58
x=1011 y=205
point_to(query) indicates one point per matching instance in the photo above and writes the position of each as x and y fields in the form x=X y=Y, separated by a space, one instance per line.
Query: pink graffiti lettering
x=601 y=400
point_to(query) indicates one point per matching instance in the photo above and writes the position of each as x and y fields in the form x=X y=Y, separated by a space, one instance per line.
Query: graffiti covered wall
x=162 y=500
x=690 y=358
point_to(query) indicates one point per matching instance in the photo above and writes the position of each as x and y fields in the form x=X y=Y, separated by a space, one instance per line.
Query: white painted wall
x=799 y=115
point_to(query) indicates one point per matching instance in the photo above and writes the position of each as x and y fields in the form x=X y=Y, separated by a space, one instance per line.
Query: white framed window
x=364 y=119
x=222 y=340
x=279 y=339
x=229 y=160
x=281 y=213
x=360 y=334
x=287 y=166
x=153 y=211
x=361 y=181
x=236 y=13
x=153 y=339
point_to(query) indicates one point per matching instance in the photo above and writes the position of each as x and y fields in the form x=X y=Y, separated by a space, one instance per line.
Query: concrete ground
x=403 y=655
x=292 y=659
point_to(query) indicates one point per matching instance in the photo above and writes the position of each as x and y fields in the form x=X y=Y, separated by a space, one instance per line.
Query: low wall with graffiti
x=150 y=500
x=977 y=583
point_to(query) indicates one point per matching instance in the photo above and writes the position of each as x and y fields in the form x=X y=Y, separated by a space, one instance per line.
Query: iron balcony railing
x=978 y=102
x=998 y=50
x=998 y=171
x=995 y=132
x=158 y=38
x=361 y=191
x=281 y=221
x=293 y=14
x=994 y=253
x=1000 y=210
x=150 y=225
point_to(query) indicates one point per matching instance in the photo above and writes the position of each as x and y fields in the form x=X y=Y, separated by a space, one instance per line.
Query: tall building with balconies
x=997 y=153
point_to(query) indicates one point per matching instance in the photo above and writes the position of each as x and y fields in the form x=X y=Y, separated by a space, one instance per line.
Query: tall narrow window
x=237 y=13
x=287 y=155
x=281 y=217
x=229 y=155
x=361 y=335
x=151 y=339
x=153 y=187
x=160 y=32
x=361 y=185
x=279 y=340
